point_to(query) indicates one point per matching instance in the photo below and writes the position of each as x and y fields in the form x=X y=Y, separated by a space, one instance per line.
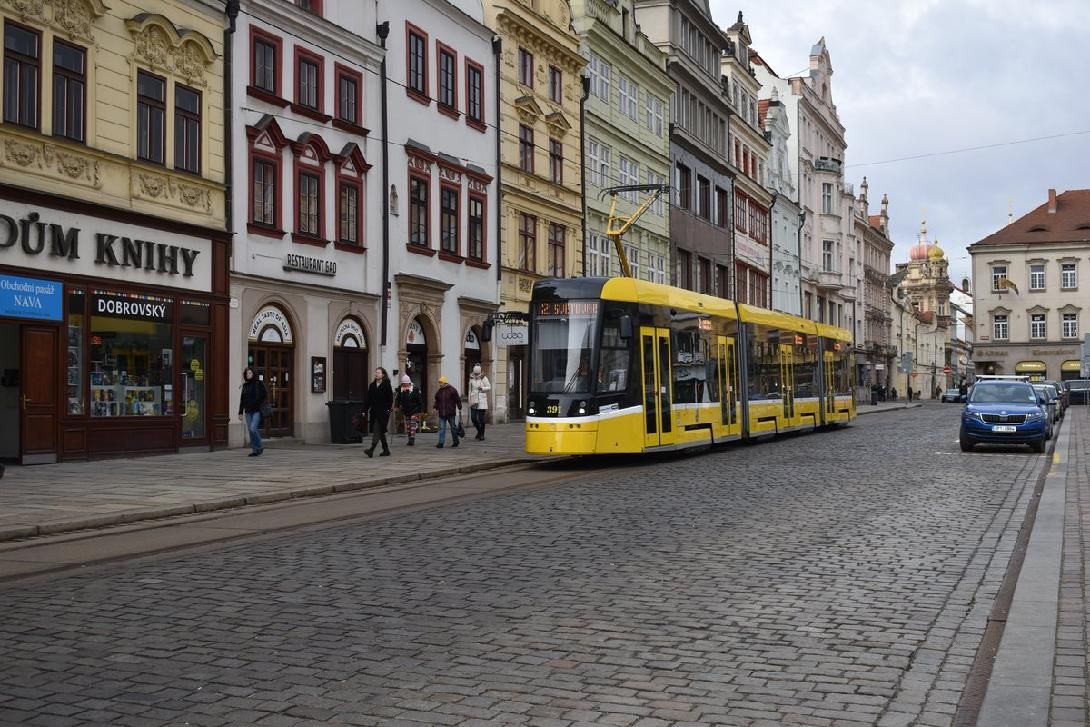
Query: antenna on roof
x=1010 y=211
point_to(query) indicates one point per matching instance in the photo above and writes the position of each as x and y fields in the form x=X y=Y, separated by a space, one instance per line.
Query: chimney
x=1052 y=201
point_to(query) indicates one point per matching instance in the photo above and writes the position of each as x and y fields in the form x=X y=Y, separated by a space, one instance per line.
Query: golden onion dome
x=935 y=253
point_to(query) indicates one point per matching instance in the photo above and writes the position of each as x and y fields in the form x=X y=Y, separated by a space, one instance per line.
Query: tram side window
x=690 y=367
x=764 y=365
x=615 y=359
x=844 y=374
x=806 y=368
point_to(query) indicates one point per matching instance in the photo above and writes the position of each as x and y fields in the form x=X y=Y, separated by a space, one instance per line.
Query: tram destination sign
x=567 y=308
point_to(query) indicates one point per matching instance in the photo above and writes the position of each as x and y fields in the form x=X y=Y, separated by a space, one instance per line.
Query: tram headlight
x=531 y=410
x=582 y=407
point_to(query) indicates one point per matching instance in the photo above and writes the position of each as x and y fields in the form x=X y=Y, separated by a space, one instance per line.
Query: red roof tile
x=762 y=112
x=875 y=221
x=1070 y=222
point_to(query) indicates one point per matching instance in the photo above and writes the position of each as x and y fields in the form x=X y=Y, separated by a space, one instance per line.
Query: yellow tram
x=624 y=365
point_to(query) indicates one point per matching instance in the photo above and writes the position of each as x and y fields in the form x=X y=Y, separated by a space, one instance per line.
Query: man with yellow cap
x=448 y=404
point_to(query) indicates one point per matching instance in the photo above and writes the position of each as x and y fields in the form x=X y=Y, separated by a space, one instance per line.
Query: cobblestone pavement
x=841 y=578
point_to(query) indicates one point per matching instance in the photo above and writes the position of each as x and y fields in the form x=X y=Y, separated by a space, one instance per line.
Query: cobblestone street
x=841 y=578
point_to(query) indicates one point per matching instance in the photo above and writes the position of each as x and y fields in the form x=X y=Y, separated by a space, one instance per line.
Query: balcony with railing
x=828 y=164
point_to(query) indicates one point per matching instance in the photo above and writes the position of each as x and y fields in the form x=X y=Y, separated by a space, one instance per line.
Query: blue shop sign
x=41 y=300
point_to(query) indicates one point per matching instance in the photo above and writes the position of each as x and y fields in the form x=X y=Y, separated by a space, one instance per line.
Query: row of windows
x=750 y=285
x=527 y=249
x=418 y=77
x=599 y=163
x=1069 y=276
x=1038 y=326
x=750 y=218
x=691 y=113
x=698 y=47
x=600 y=261
x=450 y=219
x=747 y=160
x=702 y=205
x=628 y=94
x=528 y=150
x=23 y=70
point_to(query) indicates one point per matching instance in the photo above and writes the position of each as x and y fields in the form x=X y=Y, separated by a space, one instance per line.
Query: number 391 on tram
x=620 y=365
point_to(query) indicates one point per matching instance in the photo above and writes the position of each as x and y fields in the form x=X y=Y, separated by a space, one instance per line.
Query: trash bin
x=341 y=430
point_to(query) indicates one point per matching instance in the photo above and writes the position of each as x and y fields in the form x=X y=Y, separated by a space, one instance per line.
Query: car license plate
x=1004 y=428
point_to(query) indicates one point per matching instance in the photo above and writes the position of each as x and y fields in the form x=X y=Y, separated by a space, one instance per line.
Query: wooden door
x=38 y=395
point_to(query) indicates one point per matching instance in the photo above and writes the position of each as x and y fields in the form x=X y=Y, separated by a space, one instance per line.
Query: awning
x=1030 y=367
x=1071 y=365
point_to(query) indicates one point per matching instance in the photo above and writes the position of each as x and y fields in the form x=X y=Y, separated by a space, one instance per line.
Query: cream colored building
x=1029 y=302
x=541 y=227
x=112 y=212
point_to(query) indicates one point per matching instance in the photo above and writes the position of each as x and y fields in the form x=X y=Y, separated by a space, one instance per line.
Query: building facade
x=306 y=204
x=541 y=188
x=816 y=152
x=443 y=205
x=749 y=149
x=785 y=217
x=114 y=252
x=626 y=137
x=925 y=287
x=700 y=235
x=872 y=231
x=1027 y=300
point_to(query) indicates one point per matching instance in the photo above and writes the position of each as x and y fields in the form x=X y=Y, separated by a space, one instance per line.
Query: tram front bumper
x=545 y=437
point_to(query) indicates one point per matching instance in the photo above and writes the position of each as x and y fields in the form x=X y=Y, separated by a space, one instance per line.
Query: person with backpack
x=411 y=403
x=377 y=403
x=448 y=405
x=252 y=404
x=479 y=386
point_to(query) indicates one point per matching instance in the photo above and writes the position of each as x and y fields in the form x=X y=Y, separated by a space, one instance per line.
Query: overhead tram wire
x=966 y=149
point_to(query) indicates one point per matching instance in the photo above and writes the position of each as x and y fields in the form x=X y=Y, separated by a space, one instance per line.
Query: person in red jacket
x=448 y=404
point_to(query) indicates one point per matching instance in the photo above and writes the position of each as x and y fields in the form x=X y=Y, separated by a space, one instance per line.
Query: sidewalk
x=1039 y=676
x=862 y=409
x=56 y=498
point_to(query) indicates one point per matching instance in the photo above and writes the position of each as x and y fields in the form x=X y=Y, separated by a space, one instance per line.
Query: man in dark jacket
x=448 y=403
x=411 y=403
x=253 y=396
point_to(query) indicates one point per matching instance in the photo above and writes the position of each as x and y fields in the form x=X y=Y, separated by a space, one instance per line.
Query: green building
x=627 y=136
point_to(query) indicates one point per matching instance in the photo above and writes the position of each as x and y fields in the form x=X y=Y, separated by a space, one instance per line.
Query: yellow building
x=112 y=230
x=541 y=189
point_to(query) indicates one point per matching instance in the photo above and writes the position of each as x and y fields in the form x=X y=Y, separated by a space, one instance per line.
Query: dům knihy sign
x=41 y=300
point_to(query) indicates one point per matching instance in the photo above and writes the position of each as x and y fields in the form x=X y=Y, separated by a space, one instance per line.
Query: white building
x=305 y=208
x=785 y=218
x=442 y=202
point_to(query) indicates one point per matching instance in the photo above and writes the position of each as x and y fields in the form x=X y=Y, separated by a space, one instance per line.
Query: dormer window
x=311 y=6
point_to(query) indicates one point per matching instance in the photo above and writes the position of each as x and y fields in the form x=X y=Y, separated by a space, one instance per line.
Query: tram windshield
x=563 y=333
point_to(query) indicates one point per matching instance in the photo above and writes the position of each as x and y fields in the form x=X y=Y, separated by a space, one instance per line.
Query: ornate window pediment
x=163 y=47
x=558 y=124
x=1037 y=309
x=350 y=161
x=72 y=18
x=999 y=311
x=528 y=109
x=267 y=135
x=312 y=149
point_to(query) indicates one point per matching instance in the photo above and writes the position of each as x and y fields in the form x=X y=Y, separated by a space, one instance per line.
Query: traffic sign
x=946 y=370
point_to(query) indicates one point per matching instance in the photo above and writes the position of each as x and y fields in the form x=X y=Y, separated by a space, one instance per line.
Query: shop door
x=193 y=405
x=515 y=371
x=657 y=391
x=38 y=395
x=273 y=366
x=787 y=381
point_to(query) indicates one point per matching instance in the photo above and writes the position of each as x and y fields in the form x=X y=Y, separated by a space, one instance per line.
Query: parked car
x=1078 y=391
x=1004 y=412
x=1052 y=405
x=1062 y=391
x=952 y=395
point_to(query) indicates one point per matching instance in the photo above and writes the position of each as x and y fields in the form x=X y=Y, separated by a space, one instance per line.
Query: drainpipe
x=798 y=242
x=497 y=49
x=383 y=31
x=585 y=80
x=228 y=120
x=771 y=245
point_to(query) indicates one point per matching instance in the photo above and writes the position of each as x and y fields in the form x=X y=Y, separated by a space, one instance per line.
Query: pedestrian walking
x=909 y=393
x=411 y=403
x=377 y=403
x=479 y=386
x=448 y=405
x=253 y=403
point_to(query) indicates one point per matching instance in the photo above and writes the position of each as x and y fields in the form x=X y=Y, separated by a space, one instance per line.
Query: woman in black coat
x=377 y=404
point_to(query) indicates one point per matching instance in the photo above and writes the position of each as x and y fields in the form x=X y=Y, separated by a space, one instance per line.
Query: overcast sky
x=914 y=77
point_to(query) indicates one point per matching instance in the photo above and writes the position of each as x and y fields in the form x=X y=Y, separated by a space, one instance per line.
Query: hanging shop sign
x=349 y=335
x=271 y=326
x=415 y=336
x=512 y=334
x=472 y=344
x=42 y=300
x=307 y=264
x=140 y=307
x=42 y=238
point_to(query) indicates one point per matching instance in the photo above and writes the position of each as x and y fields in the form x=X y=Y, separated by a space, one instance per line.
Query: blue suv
x=1003 y=412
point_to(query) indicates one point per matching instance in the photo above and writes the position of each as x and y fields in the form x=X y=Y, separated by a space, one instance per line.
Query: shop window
x=150 y=118
x=418 y=211
x=449 y=221
x=187 y=129
x=195 y=313
x=131 y=355
x=416 y=47
x=448 y=78
x=76 y=327
x=69 y=89
x=22 y=69
x=527 y=243
x=476 y=242
x=475 y=95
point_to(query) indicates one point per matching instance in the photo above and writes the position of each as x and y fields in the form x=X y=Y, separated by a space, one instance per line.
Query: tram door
x=657 y=392
x=728 y=380
x=830 y=383
x=787 y=380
